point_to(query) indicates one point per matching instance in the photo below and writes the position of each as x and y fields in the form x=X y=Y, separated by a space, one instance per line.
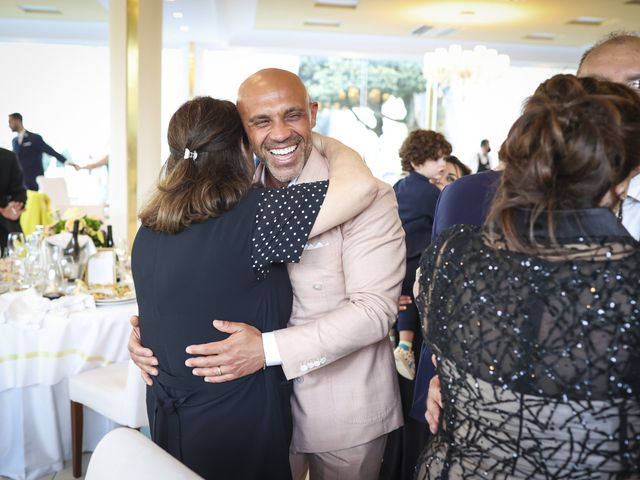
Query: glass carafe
x=54 y=278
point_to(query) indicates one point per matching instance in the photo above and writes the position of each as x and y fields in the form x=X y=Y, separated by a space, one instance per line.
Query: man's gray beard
x=289 y=178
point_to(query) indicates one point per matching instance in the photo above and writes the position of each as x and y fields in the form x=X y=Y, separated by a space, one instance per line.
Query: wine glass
x=15 y=245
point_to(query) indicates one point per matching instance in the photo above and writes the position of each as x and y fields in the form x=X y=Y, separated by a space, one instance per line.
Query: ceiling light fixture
x=433 y=32
x=455 y=65
x=467 y=12
x=184 y=28
x=177 y=15
x=421 y=30
x=336 y=3
x=589 y=21
x=540 y=36
x=49 y=9
x=318 y=22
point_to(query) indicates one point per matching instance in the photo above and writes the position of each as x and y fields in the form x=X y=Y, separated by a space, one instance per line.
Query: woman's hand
x=434 y=402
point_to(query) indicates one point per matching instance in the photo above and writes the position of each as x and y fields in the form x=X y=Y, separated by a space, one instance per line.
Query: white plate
x=115 y=301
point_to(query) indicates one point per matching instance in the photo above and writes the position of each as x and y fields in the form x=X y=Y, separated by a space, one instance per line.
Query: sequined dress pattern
x=538 y=354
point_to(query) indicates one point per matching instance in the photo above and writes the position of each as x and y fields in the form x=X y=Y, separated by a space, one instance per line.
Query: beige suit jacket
x=336 y=348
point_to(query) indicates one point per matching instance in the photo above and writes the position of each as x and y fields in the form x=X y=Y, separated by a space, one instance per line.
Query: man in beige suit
x=346 y=288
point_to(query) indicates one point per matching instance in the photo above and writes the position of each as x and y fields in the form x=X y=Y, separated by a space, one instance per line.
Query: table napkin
x=28 y=309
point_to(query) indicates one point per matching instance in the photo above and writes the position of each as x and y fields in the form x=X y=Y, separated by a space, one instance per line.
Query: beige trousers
x=361 y=462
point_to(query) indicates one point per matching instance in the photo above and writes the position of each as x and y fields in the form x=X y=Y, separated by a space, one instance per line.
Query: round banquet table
x=35 y=364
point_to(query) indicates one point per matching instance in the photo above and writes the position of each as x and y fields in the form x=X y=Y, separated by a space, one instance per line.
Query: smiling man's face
x=278 y=118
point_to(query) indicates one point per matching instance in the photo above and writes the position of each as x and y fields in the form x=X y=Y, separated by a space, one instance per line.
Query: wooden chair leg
x=76 y=438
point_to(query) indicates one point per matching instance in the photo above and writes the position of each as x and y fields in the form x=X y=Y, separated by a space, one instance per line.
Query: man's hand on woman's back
x=141 y=356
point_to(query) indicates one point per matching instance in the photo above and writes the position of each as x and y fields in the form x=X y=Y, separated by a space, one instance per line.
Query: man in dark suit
x=13 y=194
x=29 y=147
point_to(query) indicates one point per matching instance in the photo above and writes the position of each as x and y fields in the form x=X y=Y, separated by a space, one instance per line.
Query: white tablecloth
x=35 y=426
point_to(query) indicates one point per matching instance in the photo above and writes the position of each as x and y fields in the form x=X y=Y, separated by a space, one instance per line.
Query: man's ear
x=313 y=109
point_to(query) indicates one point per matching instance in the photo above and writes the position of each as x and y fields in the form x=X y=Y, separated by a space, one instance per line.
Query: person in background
x=422 y=155
x=29 y=147
x=103 y=162
x=453 y=170
x=484 y=161
x=537 y=347
x=13 y=195
x=615 y=58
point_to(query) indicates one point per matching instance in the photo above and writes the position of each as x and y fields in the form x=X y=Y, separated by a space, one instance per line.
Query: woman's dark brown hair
x=576 y=140
x=194 y=190
x=422 y=145
x=453 y=160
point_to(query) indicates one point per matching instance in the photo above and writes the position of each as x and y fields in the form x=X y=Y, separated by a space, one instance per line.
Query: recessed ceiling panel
x=63 y=10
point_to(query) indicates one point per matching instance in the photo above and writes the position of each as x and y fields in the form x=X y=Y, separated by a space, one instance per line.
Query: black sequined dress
x=539 y=355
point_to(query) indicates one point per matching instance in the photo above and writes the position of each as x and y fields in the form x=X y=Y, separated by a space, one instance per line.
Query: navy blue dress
x=228 y=268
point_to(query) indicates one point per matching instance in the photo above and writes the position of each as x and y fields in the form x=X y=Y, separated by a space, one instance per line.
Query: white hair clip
x=190 y=154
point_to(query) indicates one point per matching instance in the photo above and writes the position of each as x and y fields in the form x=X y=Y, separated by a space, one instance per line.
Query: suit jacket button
x=317 y=286
x=299 y=379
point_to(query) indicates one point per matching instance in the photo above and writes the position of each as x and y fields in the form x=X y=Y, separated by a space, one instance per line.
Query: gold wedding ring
x=219 y=371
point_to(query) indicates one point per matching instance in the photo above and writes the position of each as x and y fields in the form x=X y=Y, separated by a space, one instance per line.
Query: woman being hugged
x=214 y=246
x=534 y=317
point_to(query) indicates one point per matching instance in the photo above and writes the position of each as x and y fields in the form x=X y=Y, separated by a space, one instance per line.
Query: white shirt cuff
x=271 y=352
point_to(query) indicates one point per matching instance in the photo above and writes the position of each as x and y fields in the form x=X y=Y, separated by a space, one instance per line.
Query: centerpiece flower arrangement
x=89 y=226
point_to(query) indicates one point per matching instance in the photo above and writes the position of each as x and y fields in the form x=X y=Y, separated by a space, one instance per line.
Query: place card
x=101 y=267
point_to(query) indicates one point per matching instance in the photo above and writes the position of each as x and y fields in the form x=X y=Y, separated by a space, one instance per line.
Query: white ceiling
x=375 y=28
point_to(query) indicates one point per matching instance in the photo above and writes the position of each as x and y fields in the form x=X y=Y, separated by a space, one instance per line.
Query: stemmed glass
x=123 y=261
x=15 y=245
x=15 y=252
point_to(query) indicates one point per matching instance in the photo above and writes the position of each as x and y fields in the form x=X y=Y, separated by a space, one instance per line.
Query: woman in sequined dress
x=539 y=345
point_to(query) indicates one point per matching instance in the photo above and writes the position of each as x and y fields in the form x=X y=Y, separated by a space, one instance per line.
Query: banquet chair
x=115 y=391
x=55 y=188
x=128 y=455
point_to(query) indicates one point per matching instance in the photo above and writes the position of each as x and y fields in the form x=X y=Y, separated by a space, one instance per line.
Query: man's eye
x=635 y=84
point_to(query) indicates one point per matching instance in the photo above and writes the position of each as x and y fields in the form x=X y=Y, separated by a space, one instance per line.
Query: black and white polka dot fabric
x=283 y=221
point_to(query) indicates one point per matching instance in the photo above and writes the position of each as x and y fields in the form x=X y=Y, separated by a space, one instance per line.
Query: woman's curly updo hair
x=576 y=139
x=194 y=190
x=423 y=145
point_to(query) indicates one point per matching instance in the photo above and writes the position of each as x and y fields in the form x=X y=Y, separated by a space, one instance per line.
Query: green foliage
x=88 y=226
x=339 y=83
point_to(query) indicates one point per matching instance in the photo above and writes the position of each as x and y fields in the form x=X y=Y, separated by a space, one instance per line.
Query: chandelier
x=454 y=65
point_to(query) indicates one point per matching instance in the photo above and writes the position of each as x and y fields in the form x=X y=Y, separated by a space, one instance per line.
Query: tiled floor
x=66 y=473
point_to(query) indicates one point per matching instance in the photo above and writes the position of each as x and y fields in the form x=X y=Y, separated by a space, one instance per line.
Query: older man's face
x=278 y=119
x=618 y=63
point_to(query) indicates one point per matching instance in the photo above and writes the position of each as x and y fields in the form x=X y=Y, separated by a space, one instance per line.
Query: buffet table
x=35 y=363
